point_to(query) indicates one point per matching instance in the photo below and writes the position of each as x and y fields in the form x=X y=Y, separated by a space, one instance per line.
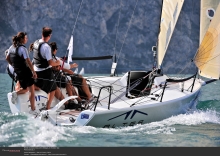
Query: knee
x=26 y=90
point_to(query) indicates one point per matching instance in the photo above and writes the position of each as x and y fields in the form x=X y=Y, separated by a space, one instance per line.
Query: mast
x=155 y=48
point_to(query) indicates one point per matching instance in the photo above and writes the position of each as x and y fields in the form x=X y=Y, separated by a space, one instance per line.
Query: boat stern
x=84 y=117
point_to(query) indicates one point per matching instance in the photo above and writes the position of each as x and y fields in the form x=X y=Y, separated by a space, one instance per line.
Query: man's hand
x=74 y=65
x=34 y=75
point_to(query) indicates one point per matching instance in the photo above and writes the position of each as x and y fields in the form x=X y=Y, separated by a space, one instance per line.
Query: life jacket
x=17 y=61
x=38 y=60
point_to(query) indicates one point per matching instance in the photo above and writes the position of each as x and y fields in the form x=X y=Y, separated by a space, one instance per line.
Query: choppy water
x=200 y=128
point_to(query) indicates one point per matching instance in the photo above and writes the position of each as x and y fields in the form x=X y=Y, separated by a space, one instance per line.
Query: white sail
x=70 y=48
x=207 y=12
x=76 y=71
x=170 y=13
x=207 y=58
x=82 y=71
x=113 y=68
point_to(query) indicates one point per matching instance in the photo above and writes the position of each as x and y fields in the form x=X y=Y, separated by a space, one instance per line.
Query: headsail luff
x=207 y=11
x=170 y=13
x=207 y=58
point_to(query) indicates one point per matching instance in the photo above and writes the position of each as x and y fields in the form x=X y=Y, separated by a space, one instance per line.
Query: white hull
x=120 y=113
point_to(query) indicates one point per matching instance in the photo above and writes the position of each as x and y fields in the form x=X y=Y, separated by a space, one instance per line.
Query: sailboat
x=138 y=97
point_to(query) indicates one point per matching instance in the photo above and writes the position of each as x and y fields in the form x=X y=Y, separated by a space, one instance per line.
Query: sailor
x=43 y=61
x=76 y=79
x=13 y=75
x=18 y=58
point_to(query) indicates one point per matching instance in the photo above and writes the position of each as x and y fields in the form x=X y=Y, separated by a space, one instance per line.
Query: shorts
x=24 y=77
x=61 y=81
x=45 y=80
x=76 y=80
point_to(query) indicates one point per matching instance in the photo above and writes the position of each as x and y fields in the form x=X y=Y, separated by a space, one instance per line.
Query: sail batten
x=169 y=17
x=207 y=58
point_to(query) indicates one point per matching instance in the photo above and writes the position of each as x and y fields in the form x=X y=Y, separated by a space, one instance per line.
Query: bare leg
x=85 y=88
x=20 y=90
x=17 y=86
x=36 y=87
x=50 y=98
x=32 y=96
x=71 y=91
x=58 y=94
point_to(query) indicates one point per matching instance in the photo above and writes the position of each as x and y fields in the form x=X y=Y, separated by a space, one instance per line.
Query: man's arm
x=53 y=63
x=74 y=65
x=28 y=61
x=68 y=71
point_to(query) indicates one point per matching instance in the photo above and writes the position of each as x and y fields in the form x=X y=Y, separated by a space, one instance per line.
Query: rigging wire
x=127 y=31
x=73 y=30
x=77 y=17
x=117 y=28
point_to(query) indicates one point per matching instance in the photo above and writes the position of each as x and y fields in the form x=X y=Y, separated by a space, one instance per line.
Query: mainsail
x=170 y=13
x=207 y=58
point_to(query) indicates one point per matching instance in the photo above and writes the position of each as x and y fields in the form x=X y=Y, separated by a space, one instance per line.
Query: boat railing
x=109 y=88
x=177 y=81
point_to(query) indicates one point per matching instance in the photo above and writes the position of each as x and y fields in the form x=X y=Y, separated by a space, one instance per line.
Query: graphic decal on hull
x=40 y=101
x=128 y=113
x=38 y=98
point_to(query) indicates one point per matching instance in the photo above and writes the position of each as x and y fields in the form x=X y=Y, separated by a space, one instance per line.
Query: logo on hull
x=39 y=97
x=128 y=113
x=129 y=123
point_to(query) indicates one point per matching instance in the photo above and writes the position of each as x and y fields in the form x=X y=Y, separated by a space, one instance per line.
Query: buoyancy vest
x=38 y=60
x=18 y=62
